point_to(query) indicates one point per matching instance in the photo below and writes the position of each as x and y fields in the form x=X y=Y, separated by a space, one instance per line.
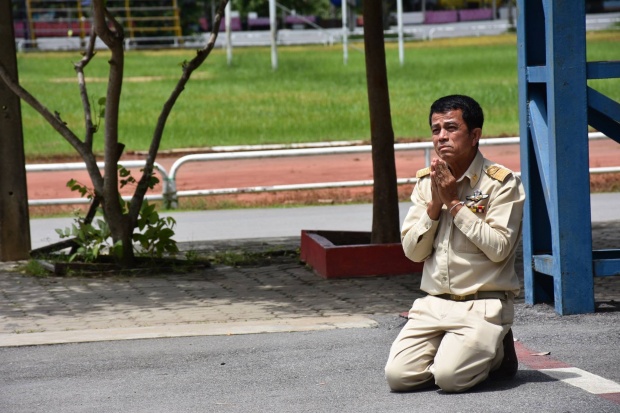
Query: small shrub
x=34 y=268
x=154 y=237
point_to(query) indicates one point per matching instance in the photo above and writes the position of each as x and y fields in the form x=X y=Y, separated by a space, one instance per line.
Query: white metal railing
x=80 y=166
x=170 y=195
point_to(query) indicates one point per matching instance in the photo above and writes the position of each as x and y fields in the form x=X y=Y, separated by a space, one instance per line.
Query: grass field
x=312 y=96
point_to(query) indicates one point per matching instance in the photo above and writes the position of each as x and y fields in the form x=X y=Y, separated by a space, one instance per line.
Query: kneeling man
x=465 y=225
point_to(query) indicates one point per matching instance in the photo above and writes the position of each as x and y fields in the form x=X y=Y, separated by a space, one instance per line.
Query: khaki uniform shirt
x=475 y=250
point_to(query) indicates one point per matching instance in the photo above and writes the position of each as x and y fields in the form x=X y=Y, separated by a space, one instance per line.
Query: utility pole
x=14 y=218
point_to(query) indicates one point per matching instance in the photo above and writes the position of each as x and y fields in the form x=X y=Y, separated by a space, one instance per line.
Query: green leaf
x=166 y=233
x=122 y=171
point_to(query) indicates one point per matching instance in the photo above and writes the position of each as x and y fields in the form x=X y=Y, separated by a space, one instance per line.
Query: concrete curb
x=187 y=330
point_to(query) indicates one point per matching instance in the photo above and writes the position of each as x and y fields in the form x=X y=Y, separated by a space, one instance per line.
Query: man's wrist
x=455 y=207
x=433 y=212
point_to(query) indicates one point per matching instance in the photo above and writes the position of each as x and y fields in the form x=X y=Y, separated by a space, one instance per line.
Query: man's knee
x=451 y=381
x=448 y=382
x=395 y=376
x=401 y=378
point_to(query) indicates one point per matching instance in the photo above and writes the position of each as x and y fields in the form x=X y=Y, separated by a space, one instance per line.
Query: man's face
x=453 y=142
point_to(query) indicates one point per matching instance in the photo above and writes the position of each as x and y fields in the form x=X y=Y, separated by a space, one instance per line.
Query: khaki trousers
x=456 y=343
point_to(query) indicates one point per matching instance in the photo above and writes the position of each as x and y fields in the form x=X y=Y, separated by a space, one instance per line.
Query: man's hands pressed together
x=443 y=189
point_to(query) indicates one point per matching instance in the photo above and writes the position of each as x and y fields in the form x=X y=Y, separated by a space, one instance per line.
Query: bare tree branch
x=56 y=122
x=52 y=118
x=79 y=68
x=101 y=17
x=188 y=69
x=118 y=28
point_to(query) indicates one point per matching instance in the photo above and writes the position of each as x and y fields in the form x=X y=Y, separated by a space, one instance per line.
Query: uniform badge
x=474 y=199
x=477 y=196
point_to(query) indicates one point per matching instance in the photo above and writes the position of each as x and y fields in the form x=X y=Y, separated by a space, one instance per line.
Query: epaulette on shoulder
x=498 y=172
x=423 y=172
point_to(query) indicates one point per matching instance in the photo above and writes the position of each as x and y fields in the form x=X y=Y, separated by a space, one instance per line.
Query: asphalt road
x=328 y=371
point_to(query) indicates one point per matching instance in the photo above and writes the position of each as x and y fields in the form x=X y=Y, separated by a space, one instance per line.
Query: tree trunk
x=14 y=218
x=121 y=226
x=385 y=219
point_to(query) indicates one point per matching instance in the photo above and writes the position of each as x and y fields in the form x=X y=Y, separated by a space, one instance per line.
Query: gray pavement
x=327 y=344
x=335 y=371
x=277 y=222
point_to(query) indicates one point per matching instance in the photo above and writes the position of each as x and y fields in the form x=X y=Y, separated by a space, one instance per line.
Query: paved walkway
x=280 y=295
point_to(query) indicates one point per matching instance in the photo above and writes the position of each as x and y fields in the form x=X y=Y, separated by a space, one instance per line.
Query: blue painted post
x=568 y=131
x=553 y=102
x=536 y=224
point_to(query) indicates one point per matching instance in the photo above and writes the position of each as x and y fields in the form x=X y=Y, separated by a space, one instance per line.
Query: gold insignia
x=423 y=172
x=498 y=172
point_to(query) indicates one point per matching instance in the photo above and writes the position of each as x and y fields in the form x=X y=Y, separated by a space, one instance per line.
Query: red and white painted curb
x=607 y=389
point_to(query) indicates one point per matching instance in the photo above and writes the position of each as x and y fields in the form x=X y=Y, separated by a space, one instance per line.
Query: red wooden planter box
x=346 y=254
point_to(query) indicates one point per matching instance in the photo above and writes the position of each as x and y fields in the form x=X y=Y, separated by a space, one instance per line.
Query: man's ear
x=476 y=134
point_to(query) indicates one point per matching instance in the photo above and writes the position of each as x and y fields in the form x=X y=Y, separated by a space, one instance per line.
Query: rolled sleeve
x=418 y=230
x=417 y=239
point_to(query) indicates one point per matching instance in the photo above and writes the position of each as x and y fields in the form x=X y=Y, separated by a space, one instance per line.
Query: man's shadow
x=522 y=377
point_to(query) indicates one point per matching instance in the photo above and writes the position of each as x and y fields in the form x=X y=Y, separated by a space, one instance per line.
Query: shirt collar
x=474 y=171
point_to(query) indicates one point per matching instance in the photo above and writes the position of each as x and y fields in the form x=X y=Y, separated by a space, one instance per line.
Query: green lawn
x=312 y=96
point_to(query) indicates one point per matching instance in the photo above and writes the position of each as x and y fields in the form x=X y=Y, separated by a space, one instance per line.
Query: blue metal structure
x=556 y=105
